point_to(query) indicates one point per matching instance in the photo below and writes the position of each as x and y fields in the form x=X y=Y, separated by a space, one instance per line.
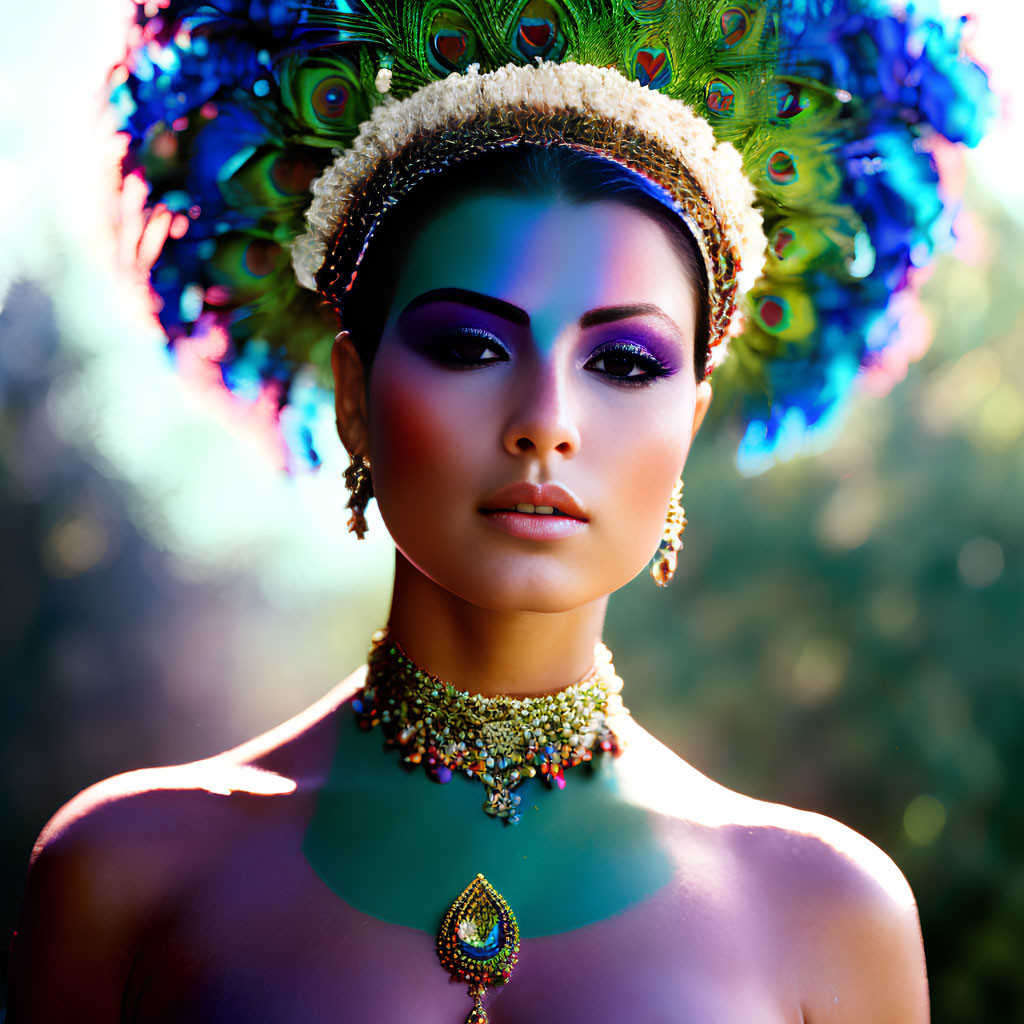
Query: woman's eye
x=468 y=347
x=629 y=364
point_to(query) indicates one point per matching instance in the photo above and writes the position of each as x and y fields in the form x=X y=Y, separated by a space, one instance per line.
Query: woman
x=528 y=321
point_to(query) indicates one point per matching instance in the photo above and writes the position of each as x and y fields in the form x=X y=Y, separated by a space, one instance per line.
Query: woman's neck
x=520 y=654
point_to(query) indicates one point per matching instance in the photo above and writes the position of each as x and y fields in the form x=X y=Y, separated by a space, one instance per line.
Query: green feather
x=793 y=168
x=274 y=182
x=325 y=97
x=801 y=242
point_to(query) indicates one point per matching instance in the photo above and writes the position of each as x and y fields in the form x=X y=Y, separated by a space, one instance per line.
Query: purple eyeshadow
x=643 y=342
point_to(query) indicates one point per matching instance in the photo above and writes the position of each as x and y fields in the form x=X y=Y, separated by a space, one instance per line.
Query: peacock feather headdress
x=795 y=137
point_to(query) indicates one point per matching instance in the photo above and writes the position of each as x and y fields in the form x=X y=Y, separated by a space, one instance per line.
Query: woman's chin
x=505 y=581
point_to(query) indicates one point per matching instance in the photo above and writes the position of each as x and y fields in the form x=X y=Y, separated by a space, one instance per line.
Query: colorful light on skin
x=444 y=440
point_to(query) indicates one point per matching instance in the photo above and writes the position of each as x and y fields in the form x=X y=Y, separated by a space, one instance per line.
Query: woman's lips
x=535 y=512
x=534 y=525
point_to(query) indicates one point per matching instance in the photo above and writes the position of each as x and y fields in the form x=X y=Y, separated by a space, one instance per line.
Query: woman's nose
x=543 y=419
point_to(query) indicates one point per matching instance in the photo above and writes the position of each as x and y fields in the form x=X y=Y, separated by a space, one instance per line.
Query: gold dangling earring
x=360 y=484
x=667 y=555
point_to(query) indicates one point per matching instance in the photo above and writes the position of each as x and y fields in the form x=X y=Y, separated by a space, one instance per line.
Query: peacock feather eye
x=782 y=168
x=735 y=22
x=802 y=174
x=784 y=311
x=799 y=243
x=242 y=266
x=772 y=313
x=647 y=10
x=790 y=99
x=291 y=173
x=783 y=242
x=652 y=64
x=324 y=95
x=273 y=182
x=793 y=97
x=329 y=99
x=537 y=32
x=160 y=155
x=720 y=98
x=451 y=42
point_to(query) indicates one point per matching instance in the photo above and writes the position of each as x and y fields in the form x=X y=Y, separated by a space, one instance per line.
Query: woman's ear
x=350 y=396
x=701 y=408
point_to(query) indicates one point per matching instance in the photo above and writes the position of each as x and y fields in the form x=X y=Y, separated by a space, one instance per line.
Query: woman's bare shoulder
x=133 y=816
x=117 y=855
x=837 y=904
x=846 y=911
x=812 y=849
x=140 y=813
x=104 y=868
x=841 y=908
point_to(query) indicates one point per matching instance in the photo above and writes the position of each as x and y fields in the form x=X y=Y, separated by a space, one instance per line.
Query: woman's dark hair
x=555 y=172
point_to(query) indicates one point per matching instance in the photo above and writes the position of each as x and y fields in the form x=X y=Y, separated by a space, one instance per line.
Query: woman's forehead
x=552 y=259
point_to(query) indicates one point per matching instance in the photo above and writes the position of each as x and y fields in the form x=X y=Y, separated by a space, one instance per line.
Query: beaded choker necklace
x=499 y=740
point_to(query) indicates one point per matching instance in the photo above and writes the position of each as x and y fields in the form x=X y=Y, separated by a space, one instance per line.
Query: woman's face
x=535 y=354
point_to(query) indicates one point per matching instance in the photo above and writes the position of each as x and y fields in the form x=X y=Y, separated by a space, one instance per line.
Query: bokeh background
x=844 y=634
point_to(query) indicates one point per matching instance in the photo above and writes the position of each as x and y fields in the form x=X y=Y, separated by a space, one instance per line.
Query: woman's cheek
x=419 y=434
x=644 y=476
x=646 y=494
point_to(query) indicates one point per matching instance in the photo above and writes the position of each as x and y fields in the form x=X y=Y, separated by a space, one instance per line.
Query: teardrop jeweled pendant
x=479 y=942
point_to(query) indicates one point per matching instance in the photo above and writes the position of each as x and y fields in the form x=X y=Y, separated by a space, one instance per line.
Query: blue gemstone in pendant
x=479 y=947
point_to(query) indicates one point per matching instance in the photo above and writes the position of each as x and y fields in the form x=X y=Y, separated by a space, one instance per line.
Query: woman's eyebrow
x=512 y=313
x=465 y=297
x=607 y=314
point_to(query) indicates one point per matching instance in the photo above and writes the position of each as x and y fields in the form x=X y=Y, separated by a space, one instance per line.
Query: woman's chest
x=277 y=946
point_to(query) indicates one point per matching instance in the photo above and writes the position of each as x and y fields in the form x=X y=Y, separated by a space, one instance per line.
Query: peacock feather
x=232 y=107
